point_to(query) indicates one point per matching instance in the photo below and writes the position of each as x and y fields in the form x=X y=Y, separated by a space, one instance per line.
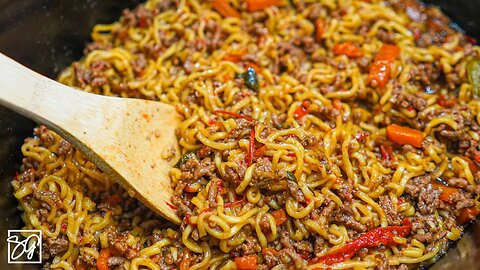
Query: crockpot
x=47 y=35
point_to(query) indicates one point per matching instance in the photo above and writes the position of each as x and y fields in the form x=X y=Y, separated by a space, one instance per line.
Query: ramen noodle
x=315 y=134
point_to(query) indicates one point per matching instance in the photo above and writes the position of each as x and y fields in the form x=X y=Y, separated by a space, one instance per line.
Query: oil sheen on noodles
x=308 y=126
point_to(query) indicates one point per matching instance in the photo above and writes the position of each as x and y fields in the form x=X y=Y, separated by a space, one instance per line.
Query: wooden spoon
x=132 y=140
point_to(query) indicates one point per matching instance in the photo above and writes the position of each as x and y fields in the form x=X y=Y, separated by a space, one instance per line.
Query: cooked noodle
x=321 y=171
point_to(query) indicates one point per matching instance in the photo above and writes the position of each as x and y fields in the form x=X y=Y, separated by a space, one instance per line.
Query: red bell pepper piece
x=374 y=238
x=251 y=147
x=303 y=110
x=386 y=151
x=230 y=204
x=361 y=136
x=173 y=207
x=446 y=102
x=260 y=152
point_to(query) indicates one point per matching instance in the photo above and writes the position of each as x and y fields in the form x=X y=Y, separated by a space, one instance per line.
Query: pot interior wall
x=48 y=35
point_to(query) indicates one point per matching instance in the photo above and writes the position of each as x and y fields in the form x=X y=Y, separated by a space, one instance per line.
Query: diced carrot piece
x=473 y=167
x=227 y=78
x=272 y=251
x=224 y=8
x=381 y=68
x=246 y=262
x=187 y=259
x=235 y=56
x=347 y=48
x=280 y=216
x=337 y=104
x=256 y=5
x=319 y=29
x=448 y=193
x=467 y=214
x=404 y=135
x=102 y=263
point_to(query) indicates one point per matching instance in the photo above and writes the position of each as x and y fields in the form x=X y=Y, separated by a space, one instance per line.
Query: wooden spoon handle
x=37 y=97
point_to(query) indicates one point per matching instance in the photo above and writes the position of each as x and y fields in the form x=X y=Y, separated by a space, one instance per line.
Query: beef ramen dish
x=316 y=135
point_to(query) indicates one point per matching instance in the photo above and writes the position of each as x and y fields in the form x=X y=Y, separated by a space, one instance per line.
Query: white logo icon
x=22 y=249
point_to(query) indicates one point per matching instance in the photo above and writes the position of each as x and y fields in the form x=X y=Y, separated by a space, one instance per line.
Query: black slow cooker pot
x=47 y=35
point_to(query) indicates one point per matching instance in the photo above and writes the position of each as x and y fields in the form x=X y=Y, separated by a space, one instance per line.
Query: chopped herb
x=184 y=158
x=441 y=181
x=250 y=77
x=473 y=69
x=291 y=177
x=429 y=90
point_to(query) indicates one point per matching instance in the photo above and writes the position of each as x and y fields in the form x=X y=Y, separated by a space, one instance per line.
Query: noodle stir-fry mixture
x=316 y=134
